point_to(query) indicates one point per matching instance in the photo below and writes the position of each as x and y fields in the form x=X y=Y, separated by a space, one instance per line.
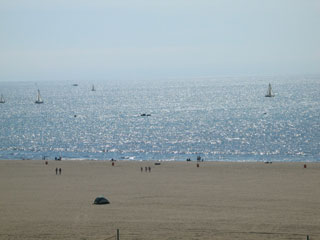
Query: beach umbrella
x=101 y=200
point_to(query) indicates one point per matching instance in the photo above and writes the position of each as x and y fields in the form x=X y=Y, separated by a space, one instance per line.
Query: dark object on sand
x=101 y=200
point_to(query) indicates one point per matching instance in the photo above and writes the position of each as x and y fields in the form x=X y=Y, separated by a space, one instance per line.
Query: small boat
x=145 y=115
x=2 y=99
x=269 y=92
x=39 y=99
x=93 y=89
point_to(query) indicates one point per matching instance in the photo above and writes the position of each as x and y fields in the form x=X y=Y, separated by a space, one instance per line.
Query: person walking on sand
x=149 y=169
x=56 y=171
x=59 y=171
x=141 y=169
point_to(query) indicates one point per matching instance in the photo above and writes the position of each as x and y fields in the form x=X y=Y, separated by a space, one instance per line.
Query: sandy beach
x=176 y=200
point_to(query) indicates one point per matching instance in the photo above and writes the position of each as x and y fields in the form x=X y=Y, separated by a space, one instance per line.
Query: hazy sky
x=127 y=39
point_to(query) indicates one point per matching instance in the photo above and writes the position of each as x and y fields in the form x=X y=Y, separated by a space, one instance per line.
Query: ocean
x=216 y=118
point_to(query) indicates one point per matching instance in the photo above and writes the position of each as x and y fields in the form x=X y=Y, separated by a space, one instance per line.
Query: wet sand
x=176 y=200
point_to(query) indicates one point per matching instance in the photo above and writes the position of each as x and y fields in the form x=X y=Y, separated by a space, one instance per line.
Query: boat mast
x=269 y=92
x=2 y=99
x=39 y=99
x=270 y=89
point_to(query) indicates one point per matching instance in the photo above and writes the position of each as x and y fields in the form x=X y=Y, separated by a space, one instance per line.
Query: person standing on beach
x=56 y=171
x=59 y=171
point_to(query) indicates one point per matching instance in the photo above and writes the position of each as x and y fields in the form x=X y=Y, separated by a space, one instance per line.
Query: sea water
x=217 y=118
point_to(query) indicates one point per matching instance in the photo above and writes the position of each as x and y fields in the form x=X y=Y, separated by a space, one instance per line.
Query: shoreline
x=170 y=160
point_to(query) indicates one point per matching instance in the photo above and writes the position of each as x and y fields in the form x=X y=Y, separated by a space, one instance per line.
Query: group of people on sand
x=146 y=169
x=58 y=171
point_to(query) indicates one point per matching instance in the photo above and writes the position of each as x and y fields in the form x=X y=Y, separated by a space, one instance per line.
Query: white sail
x=269 y=92
x=39 y=99
x=2 y=99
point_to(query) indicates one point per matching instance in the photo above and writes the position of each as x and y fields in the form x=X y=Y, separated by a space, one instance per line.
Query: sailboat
x=2 y=99
x=93 y=89
x=39 y=99
x=269 y=92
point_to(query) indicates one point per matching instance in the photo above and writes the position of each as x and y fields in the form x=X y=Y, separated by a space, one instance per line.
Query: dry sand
x=176 y=200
